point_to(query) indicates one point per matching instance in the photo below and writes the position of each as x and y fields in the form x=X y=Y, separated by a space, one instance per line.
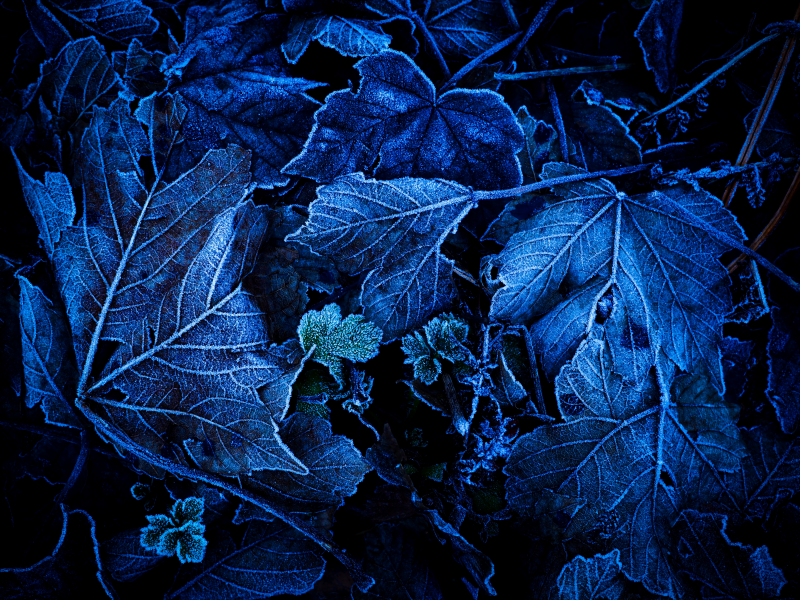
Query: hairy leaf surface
x=468 y=136
x=350 y=37
x=599 y=249
x=155 y=270
x=393 y=230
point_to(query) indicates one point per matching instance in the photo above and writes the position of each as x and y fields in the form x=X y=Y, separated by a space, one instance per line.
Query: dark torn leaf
x=125 y=559
x=50 y=372
x=50 y=203
x=723 y=568
x=155 y=271
x=73 y=565
x=602 y=136
x=271 y=559
x=238 y=89
x=770 y=474
x=541 y=145
x=115 y=21
x=70 y=84
x=283 y=273
x=335 y=468
x=349 y=37
x=621 y=467
x=783 y=355
x=592 y=578
x=395 y=562
x=599 y=250
x=462 y=28
x=468 y=136
x=140 y=69
x=393 y=230
x=658 y=38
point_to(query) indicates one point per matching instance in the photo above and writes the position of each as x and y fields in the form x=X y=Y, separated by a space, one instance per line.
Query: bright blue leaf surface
x=592 y=578
x=349 y=37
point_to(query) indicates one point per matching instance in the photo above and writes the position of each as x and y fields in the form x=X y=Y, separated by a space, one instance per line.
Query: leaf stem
x=434 y=47
x=528 y=75
x=363 y=581
x=763 y=111
x=555 y=181
x=713 y=76
x=76 y=469
x=537 y=20
x=475 y=62
x=562 y=132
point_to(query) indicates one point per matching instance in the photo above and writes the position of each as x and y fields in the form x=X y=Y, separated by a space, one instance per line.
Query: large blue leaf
x=468 y=136
x=350 y=37
x=272 y=559
x=599 y=250
x=621 y=467
x=50 y=373
x=237 y=89
x=393 y=230
x=154 y=270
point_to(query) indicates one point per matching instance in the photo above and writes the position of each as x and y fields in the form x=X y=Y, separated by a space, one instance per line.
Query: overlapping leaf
x=621 y=467
x=350 y=37
x=154 y=270
x=599 y=249
x=468 y=136
x=592 y=578
x=393 y=230
x=237 y=89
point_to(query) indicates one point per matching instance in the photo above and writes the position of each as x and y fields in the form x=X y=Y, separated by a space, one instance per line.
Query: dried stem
x=773 y=222
x=537 y=20
x=763 y=112
x=475 y=62
x=434 y=47
x=559 y=72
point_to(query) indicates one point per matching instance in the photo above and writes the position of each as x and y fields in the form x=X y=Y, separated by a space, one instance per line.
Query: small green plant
x=444 y=340
x=335 y=339
x=178 y=533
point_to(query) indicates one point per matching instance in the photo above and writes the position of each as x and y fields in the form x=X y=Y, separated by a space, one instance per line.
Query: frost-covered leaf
x=70 y=84
x=599 y=250
x=592 y=578
x=658 y=38
x=468 y=136
x=541 y=145
x=155 y=272
x=393 y=230
x=50 y=203
x=396 y=563
x=73 y=565
x=333 y=339
x=350 y=37
x=335 y=468
x=238 y=89
x=623 y=461
x=603 y=137
x=723 y=568
x=115 y=21
x=140 y=69
x=462 y=28
x=271 y=559
x=180 y=533
x=50 y=372
x=124 y=557
x=783 y=351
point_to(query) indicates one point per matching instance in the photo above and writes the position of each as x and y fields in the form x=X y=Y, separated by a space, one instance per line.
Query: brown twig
x=763 y=112
x=773 y=222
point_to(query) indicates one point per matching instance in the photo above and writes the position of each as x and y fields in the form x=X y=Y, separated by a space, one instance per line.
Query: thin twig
x=434 y=47
x=763 y=111
x=537 y=20
x=562 y=133
x=559 y=72
x=480 y=60
x=363 y=581
x=713 y=76
x=555 y=181
x=773 y=222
